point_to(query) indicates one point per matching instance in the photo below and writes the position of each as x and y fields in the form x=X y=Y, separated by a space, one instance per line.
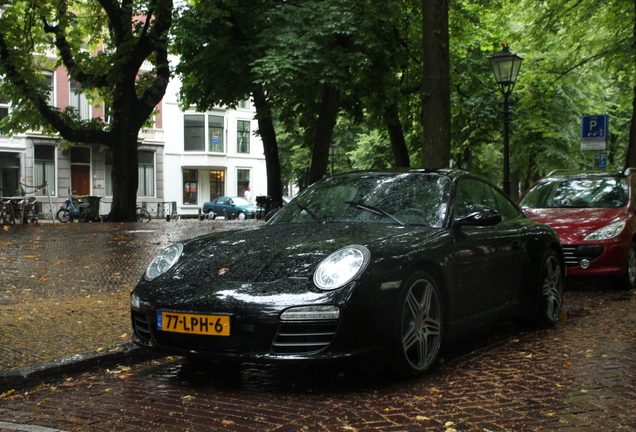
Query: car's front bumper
x=264 y=337
x=597 y=259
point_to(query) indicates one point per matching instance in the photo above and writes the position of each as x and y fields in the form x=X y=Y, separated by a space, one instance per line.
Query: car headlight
x=135 y=302
x=607 y=232
x=164 y=260
x=341 y=267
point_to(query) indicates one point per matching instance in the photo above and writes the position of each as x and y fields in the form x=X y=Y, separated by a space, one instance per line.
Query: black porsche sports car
x=378 y=266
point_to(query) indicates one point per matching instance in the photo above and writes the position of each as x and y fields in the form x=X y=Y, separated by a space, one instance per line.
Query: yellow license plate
x=215 y=325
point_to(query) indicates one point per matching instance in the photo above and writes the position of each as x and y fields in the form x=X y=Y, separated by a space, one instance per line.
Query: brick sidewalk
x=64 y=288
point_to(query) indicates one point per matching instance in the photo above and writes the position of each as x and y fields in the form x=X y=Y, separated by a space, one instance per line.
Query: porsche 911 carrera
x=366 y=266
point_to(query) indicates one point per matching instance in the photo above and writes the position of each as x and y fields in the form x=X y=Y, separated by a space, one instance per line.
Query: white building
x=210 y=154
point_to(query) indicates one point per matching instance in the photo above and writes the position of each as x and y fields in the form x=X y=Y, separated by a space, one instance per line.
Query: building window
x=194 y=136
x=79 y=101
x=190 y=186
x=44 y=169
x=215 y=133
x=146 y=167
x=243 y=136
x=245 y=104
x=146 y=161
x=48 y=82
x=243 y=184
x=217 y=184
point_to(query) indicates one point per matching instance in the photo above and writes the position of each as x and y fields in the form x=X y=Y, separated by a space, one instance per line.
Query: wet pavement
x=64 y=290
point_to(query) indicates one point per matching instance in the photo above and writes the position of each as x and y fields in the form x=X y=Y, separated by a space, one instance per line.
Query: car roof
x=447 y=172
x=587 y=174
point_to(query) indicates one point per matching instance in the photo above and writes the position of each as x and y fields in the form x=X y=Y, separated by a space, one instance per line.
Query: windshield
x=608 y=192
x=418 y=199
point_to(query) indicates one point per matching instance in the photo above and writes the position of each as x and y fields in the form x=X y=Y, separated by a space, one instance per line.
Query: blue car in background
x=231 y=208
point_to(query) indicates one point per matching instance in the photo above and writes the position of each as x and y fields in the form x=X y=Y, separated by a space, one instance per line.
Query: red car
x=594 y=215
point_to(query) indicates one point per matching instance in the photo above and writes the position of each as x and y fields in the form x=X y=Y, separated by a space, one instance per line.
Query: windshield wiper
x=375 y=210
x=311 y=212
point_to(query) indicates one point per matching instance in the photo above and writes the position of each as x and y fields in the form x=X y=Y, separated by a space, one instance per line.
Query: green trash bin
x=93 y=210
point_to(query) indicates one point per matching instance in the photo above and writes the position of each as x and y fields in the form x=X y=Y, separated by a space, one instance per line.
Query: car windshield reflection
x=608 y=192
x=407 y=199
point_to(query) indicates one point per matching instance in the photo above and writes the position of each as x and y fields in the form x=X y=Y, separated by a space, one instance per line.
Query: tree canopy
x=386 y=82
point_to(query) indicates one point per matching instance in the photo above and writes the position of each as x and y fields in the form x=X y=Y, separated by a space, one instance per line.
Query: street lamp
x=333 y=151
x=505 y=65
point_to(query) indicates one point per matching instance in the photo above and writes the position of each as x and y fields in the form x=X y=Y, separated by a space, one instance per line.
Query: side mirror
x=480 y=216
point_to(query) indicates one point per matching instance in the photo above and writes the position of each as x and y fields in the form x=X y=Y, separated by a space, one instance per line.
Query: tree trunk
x=324 y=130
x=435 y=85
x=396 y=135
x=125 y=177
x=270 y=147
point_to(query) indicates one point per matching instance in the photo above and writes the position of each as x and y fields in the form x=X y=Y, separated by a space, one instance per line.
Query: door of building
x=81 y=179
x=80 y=170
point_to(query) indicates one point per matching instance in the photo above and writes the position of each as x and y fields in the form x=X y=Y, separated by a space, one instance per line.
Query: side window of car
x=473 y=193
x=506 y=207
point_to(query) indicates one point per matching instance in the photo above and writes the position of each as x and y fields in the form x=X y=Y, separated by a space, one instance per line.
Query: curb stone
x=16 y=427
x=29 y=376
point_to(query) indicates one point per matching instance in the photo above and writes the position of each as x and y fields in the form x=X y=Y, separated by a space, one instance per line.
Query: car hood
x=274 y=252
x=574 y=224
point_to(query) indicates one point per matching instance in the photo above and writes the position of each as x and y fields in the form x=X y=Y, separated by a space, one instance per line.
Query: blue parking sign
x=602 y=160
x=594 y=127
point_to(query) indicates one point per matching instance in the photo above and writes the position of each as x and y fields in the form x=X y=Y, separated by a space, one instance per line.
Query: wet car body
x=579 y=219
x=264 y=280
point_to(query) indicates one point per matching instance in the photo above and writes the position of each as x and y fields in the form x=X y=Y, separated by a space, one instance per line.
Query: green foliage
x=579 y=59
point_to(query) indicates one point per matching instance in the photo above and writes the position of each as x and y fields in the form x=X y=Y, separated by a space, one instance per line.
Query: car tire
x=63 y=215
x=551 y=284
x=240 y=216
x=628 y=281
x=418 y=329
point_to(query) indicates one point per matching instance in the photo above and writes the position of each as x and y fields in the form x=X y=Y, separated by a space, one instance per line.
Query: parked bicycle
x=142 y=215
x=18 y=210
x=68 y=212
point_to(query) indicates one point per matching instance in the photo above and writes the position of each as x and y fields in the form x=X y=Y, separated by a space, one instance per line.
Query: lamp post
x=333 y=151
x=505 y=65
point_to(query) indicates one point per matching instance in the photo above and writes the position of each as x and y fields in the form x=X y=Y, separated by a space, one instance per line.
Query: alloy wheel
x=421 y=325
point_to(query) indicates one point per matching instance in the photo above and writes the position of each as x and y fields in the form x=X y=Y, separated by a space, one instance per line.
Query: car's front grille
x=303 y=338
x=573 y=254
x=141 y=327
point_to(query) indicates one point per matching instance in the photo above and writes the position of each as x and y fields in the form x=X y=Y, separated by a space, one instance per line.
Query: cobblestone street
x=64 y=288
x=577 y=377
